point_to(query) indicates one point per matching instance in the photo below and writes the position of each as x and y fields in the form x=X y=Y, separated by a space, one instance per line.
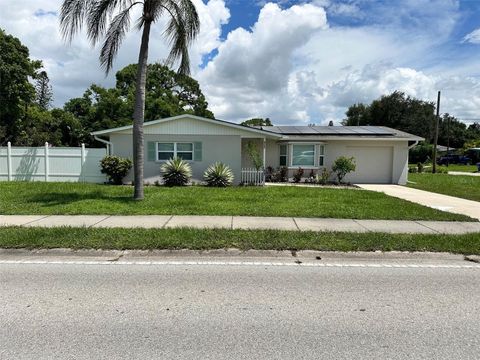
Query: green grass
x=466 y=187
x=451 y=167
x=70 y=198
x=458 y=167
x=82 y=238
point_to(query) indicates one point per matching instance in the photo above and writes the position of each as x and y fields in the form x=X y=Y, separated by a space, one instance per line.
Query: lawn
x=466 y=187
x=451 y=167
x=82 y=238
x=73 y=198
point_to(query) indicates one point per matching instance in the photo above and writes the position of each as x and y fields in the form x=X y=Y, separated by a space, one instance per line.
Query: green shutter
x=151 y=151
x=197 y=151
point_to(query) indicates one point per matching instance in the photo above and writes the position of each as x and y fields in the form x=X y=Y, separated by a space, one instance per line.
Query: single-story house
x=381 y=153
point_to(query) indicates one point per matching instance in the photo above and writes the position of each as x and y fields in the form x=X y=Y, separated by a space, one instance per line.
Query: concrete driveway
x=426 y=198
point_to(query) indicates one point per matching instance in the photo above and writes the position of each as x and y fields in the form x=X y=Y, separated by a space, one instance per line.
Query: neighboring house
x=381 y=153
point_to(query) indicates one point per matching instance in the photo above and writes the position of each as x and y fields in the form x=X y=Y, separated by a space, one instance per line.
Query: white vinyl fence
x=252 y=176
x=77 y=164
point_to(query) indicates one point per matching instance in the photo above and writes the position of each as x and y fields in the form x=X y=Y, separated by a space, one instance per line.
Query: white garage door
x=374 y=164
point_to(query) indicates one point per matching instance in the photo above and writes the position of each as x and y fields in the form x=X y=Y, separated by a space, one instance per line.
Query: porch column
x=264 y=153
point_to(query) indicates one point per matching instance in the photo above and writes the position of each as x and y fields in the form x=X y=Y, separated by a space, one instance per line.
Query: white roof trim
x=212 y=121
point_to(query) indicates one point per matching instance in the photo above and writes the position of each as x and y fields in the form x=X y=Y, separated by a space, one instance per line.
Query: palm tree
x=109 y=20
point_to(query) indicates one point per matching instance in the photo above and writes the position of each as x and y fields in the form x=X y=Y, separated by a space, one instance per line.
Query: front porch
x=262 y=154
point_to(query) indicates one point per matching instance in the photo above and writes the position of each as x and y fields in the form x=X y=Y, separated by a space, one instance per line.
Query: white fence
x=252 y=176
x=46 y=163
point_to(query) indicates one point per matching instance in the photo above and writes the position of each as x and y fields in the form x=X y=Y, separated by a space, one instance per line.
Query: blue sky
x=296 y=62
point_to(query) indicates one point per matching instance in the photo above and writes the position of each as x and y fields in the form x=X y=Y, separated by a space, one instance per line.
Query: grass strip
x=196 y=239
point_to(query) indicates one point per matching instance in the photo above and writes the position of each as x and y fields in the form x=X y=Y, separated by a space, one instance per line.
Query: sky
x=296 y=62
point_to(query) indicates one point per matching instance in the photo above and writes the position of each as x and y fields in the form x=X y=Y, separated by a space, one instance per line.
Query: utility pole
x=435 y=140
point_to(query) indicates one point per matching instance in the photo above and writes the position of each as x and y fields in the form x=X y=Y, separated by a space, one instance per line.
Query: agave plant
x=176 y=172
x=218 y=175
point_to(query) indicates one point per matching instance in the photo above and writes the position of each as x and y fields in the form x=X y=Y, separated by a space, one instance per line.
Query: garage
x=374 y=164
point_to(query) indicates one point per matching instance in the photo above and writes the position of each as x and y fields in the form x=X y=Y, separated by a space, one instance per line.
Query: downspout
x=108 y=143
x=415 y=143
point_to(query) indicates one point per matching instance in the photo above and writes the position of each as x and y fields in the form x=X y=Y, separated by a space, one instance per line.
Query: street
x=246 y=311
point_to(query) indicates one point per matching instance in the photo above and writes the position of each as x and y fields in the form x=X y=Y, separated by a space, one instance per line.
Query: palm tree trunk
x=139 y=114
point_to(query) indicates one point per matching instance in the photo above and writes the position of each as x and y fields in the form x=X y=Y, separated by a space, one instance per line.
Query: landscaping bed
x=146 y=239
x=466 y=187
x=23 y=198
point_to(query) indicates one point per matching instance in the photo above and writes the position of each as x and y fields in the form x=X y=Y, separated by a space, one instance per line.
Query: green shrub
x=420 y=167
x=423 y=152
x=176 y=172
x=218 y=175
x=323 y=177
x=116 y=168
x=342 y=166
x=282 y=174
x=254 y=155
x=297 y=175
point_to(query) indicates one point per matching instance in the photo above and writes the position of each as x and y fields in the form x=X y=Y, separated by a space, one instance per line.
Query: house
x=381 y=153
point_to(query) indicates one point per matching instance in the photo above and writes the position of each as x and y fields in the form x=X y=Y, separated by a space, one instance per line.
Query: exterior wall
x=337 y=148
x=226 y=149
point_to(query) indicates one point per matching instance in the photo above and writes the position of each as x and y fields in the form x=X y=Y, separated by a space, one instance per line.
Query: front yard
x=21 y=198
x=466 y=187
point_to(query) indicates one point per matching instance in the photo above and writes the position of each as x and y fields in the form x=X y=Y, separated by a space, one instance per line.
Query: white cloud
x=73 y=67
x=473 y=37
x=291 y=65
x=251 y=70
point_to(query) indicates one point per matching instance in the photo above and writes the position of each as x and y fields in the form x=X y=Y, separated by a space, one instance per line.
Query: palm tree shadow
x=64 y=198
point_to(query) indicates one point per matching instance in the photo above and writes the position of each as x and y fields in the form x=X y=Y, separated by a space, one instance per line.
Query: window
x=167 y=151
x=185 y=151
x=303 y=155
x=283 y=155
x=321 y=158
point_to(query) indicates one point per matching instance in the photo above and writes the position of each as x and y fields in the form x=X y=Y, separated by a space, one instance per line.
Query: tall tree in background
x=43 y=90
x=16 y=92
x=182 y=28
x=397 y=111
x=257 y=122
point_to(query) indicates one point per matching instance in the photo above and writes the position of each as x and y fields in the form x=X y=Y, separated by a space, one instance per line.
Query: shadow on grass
x=64 y=198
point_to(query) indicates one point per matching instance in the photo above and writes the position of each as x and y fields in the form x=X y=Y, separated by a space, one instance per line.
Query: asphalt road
x=59 y=311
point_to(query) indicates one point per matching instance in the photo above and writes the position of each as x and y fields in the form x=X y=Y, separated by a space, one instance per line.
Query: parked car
x=474 y=154
x=454 y=159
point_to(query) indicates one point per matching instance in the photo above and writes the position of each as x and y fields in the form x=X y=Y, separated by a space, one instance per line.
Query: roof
x=341 y=131
x=194 y=117
x=291 y=132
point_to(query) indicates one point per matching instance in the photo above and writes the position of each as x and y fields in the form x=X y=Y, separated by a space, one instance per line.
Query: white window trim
x=321 y=156
x=316 y=158
x=174 y=149
x=291 y=166
x=286 y=154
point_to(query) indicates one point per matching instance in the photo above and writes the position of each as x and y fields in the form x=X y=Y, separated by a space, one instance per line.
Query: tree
x=167 y=93
x=257 y=122
x=43 y=91
x=408 y=114
x=16 y=92
x=182 y=28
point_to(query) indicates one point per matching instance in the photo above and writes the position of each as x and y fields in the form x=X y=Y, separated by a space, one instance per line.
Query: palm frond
x=181 y=30
x=98 y=16
x=113 y=38
x=72 y=17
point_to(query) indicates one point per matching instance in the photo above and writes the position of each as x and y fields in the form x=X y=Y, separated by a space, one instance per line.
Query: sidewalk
x=243 y=222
